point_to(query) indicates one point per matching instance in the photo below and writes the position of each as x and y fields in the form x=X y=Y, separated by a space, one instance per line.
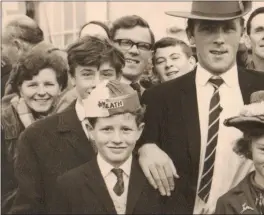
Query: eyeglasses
x=128 y=44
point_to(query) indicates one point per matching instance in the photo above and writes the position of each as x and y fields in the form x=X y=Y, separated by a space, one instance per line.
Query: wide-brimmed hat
x=215 y=10
x=109 y=98
x=251 y=116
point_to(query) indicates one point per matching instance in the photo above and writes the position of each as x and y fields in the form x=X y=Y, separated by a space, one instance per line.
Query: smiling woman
x=40 y=76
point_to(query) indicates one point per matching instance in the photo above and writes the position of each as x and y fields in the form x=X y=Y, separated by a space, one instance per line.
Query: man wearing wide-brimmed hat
x=184 y=117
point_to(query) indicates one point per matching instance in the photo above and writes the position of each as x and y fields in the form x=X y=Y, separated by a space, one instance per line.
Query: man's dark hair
x=170 y=41
x=40 y=57
x=25 y=30
x=252 y=15
x=190 y=25
x=128 y=22
x=92 y=51
x=101 y=24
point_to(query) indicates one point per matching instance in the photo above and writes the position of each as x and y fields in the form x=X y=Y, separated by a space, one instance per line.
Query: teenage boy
x=172 y=58
x=134 y=37
x=59 y=143
x=111 y=183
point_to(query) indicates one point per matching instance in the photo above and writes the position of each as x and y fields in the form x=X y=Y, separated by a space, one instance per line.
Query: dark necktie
x=137 y=88
x=212 y=138
x=119 y=186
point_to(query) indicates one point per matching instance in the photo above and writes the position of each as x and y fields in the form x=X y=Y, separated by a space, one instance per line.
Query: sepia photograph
x=132 y=107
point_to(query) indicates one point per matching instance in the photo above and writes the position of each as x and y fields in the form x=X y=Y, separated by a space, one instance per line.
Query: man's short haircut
x=41 y=56
x=139 y=114
x=24 y=30
x=92 y=51
x=170 y=41
x=190 y=25
x=252 y=15
x=101 y=24
x=128 y=22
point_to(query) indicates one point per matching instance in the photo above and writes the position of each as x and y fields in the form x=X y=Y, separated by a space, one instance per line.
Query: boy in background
x=172 y=58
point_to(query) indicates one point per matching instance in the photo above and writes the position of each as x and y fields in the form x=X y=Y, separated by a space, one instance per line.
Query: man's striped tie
x=212 y=137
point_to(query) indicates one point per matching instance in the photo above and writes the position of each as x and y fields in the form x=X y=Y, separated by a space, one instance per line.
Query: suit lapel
x=71 y=128
x=95 y=181
x=191 y=117
x=136 y=184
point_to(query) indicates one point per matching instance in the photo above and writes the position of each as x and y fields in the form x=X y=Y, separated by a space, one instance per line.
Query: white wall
x=152 y=12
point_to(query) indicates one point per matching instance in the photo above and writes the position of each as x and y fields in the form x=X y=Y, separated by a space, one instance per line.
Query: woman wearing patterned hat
x=248 y=196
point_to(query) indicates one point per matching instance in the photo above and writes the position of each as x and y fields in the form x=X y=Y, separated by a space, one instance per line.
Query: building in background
x=61 y=21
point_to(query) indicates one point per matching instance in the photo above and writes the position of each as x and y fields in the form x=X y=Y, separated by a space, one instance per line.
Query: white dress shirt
x=81 y=116
x=111 y=179
x=229 y=168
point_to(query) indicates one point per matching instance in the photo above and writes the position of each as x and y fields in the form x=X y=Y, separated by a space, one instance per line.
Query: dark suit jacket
x=6 y=68
x=172 y=122
x=83 y=191
x=46 y=150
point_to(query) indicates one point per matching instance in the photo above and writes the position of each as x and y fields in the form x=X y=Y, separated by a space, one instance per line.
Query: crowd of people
x=119 y=123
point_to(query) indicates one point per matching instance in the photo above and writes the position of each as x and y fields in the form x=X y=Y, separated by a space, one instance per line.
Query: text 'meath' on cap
x=109 y=98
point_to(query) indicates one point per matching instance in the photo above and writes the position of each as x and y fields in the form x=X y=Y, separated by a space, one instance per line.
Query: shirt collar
x=230 y=77
x=80 y=110
x=106 y=168
x=125 y=80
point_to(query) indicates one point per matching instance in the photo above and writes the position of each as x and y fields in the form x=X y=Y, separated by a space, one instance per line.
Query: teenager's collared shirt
x=126 y=81
x=110 y=179
x=229 y=168
x=81 y=116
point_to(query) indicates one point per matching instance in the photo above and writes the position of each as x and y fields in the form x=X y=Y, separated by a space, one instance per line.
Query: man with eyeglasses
x=134 y=38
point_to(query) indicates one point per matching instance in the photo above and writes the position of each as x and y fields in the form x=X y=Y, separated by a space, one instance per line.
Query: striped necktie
x=119 y=186
x=212 y=137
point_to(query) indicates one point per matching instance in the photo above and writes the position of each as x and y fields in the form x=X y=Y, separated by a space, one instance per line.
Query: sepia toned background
x=61 y=21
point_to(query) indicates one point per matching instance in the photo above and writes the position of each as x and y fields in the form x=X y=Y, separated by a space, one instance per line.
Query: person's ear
x=90 y=130
x=149 y=65
x=192 y=63
x=72 y=80
x=190 y=37
x=140 y=129
x=247 y=41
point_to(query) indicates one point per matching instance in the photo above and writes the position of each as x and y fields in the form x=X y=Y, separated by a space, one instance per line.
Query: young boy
x=112 y=182
x=172 y=59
